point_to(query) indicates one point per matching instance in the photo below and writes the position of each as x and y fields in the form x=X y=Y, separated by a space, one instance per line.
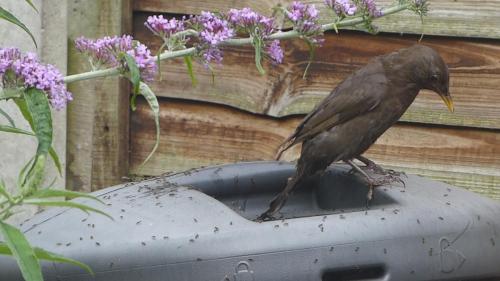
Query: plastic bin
x=197 y=225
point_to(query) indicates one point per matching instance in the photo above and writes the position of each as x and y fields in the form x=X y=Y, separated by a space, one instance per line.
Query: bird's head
x=433 y=74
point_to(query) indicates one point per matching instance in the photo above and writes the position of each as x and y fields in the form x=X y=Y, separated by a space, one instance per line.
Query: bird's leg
x=388 y=174
x=372 y=166
x=277 y=203
x=372 y=182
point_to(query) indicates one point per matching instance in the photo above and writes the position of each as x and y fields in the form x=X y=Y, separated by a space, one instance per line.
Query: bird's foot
x=266 y=216
x=380 y=181
x=376 y=169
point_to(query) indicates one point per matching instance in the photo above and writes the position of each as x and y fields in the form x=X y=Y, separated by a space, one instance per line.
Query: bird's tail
x=289 y=142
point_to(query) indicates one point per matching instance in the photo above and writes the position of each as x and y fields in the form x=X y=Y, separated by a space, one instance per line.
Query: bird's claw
x=266 y=216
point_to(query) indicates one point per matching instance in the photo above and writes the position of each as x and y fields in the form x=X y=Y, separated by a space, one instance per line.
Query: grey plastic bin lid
x=197 y=225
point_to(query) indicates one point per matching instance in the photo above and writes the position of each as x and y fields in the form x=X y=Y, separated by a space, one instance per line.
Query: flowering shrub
x=18 y=71
x=108 y=51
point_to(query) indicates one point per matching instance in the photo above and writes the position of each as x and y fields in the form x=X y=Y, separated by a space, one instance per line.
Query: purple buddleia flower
x=7 y=57
x=106 y=51
x=212 y=55
x=164 y=27
x=213 y=30
x=275 y=52
x=305 y=20
x=342 y=7
x=31 y=73
x=248 y=21
x=144 y=60
x=371 y=8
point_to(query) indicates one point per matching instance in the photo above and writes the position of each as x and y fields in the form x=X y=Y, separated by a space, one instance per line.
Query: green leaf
x=36 y=110
x=49 y=193
x=3 y=191
x=22 y=251
x=155 y=107
x=4 y=14
x=189 y=63
x=21 y=104
x=35 y=175
x=258 y=55
x=312 y=48
x=39 y=109
x=32 y=5
x=21 y=178
x=68 y=204
x=135 y=77
x=52 y=152
x=42 y=254
x=55 y=158
x=10 y=129
x=158 y=60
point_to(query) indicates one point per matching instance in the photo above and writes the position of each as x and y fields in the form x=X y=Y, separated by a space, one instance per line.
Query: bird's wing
x=355 y=96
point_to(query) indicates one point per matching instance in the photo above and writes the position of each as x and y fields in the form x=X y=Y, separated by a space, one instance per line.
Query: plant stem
x=92 y=74
x=231 y=42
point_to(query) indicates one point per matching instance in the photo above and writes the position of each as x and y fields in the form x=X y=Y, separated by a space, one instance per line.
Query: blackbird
x=358 y=111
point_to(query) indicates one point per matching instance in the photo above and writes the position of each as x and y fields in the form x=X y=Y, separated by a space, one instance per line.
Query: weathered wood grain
x=464 y=18
x=474 y=67
x=98 y=116
x=195 y=134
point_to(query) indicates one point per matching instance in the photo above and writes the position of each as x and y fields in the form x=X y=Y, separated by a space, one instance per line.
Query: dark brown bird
x=359 y=110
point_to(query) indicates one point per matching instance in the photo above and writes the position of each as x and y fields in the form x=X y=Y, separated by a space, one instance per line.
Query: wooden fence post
x=98 y=117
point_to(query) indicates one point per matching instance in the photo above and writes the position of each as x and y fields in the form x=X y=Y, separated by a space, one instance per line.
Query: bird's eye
x=435 y=77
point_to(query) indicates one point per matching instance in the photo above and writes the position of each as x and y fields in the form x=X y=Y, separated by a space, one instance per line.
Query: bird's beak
x=448 y=101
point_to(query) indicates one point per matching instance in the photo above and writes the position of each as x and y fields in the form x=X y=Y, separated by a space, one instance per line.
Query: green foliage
x=69 y=204
x=5 y=15
x=34 y=106
x=41 y=254
x=68 y=194
x=135 y=77
x=258 y=44
x=189 y=63
x=38 y=108
x=22 y=251
x=155 y=107
x=32 y=5
x=52 y=152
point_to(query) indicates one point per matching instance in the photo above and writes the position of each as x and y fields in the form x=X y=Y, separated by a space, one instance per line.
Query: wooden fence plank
x=465 y=18
x=195 y=134
x=98 y=116
x=474 y=68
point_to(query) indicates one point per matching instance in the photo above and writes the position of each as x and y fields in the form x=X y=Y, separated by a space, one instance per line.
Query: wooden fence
x=243 y=115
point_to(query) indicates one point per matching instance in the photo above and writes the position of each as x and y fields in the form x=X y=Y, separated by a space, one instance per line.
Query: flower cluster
x=212 y=30
x=345 y=8
x=164 y=27
x=248 y=21
x=29 y=72
x=342 y=7
x=259 y=28
x=371 y=9
x=275 y=52
x=107 y=50
x=305 y=20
